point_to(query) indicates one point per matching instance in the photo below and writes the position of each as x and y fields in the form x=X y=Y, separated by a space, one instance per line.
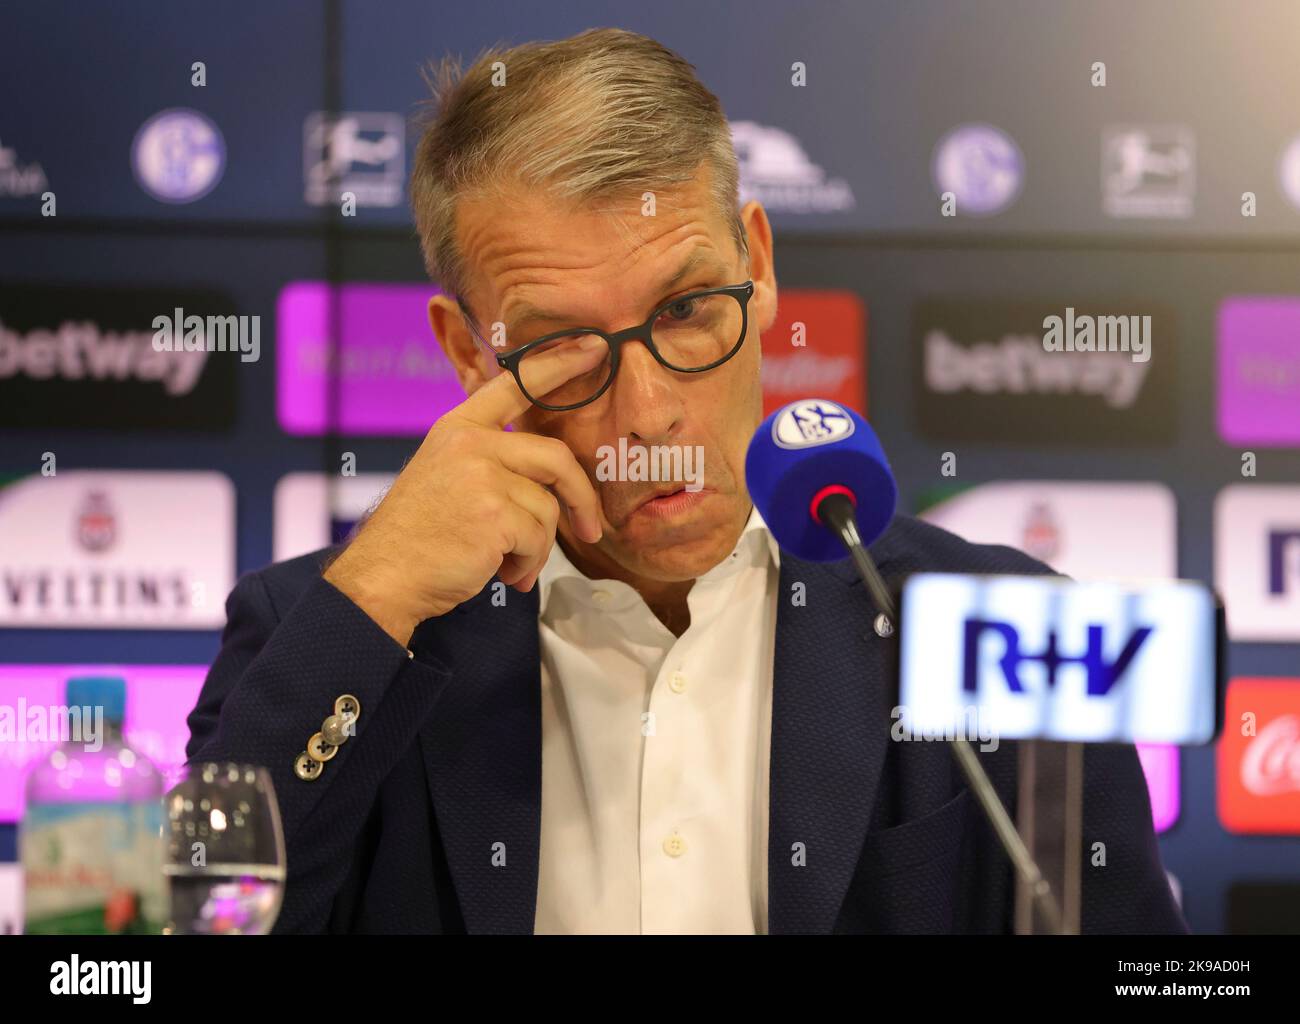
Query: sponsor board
x=1264 y=908
x=817 y=345
x=360 y=359
x=1258 y=342
x=983 y=373
x=776 y=171
x=1259 y=757
x=1257 y=560
x=85 y=357
x=113 y=549
x=1160 y=766
x=1082 y=529
x=1288 y=171
x=315 y=510
x=159 y=699
x=11 y=899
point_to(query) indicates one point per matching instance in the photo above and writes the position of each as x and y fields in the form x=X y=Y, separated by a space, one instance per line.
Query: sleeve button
x=319 y=750
x=307 y=769
x=348 y=705
x=336 y=729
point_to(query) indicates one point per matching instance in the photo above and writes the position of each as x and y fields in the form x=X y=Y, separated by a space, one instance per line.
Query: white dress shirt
x=655 y=751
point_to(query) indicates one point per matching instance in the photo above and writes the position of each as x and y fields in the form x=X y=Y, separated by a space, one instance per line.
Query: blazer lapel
x=482 y=749
x=832 y=691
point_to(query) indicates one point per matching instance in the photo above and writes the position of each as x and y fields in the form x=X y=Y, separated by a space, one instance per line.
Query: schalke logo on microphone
x=178 y=156
x=810 y=422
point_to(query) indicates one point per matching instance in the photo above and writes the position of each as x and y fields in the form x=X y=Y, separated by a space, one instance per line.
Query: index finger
x=500 y=400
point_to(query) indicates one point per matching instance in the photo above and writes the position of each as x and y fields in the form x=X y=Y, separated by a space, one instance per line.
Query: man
x=648 y=734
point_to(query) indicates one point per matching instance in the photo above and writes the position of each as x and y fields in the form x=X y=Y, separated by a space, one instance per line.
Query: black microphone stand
x=836 y=513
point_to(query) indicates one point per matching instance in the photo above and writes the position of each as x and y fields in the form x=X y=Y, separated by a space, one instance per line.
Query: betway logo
x=1272 y=761
x=81 y=351
x=1018 y=365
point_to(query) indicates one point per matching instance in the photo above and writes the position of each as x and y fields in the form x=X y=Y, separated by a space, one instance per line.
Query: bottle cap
x=108 y=692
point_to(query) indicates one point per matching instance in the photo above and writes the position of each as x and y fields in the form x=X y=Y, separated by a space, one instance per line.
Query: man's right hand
x=475 y=501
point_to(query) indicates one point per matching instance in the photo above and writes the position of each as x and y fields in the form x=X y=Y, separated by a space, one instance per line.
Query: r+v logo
x=1102 y=674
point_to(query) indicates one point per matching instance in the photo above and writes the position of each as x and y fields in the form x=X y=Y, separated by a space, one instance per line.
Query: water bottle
x=90 y=841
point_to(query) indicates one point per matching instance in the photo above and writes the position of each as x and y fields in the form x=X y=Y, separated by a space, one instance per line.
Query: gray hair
x=602 y=114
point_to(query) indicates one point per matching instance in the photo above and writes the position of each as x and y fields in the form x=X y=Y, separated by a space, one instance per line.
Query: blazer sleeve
x=273 y=683
x=1123 y=882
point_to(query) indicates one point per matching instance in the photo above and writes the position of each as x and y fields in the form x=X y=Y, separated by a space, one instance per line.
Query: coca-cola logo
x=1271 y=764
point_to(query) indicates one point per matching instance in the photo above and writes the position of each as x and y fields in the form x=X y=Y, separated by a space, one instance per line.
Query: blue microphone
x=819 y=477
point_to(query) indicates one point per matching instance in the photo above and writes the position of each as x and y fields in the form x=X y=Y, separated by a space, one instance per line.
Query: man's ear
x=762 y=270
x=458 y=343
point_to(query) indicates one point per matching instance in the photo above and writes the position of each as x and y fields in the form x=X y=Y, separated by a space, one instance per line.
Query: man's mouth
x=671 y=500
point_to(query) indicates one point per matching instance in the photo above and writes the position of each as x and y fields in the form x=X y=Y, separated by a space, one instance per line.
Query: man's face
x=608 y=268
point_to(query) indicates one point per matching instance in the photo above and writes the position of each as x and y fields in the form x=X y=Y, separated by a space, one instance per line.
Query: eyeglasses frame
x=742 y=293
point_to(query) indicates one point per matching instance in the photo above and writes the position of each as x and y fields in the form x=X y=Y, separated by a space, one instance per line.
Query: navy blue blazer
x=399 y=831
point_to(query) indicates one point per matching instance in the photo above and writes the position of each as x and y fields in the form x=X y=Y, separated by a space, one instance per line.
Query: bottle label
x=93 y=868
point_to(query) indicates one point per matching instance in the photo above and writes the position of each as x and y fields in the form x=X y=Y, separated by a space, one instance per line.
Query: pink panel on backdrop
x=381 y=372
x=1160 y=766
x=1259 y=370
x=158 y=700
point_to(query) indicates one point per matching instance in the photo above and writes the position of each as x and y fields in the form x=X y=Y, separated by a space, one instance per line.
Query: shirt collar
x=755 y=540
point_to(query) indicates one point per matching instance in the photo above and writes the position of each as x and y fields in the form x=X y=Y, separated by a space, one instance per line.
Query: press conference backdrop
x=1099 y=158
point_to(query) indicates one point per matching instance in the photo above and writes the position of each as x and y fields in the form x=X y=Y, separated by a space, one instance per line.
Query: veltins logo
x=981 y=165
x=1259 y=757
x=983 y=373
x=178 y=156
x=1258 y=341
x=1257 y=560
x=810 y=423
x=117 y=550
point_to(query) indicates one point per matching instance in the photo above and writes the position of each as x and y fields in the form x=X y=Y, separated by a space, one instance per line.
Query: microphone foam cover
x=804 y=447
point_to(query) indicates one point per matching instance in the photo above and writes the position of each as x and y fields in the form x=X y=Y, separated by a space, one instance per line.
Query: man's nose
x=646 y=402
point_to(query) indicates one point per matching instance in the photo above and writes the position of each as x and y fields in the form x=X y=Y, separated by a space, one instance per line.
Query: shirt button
x=601 y=597
x=677 y=682
x=674 y=845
